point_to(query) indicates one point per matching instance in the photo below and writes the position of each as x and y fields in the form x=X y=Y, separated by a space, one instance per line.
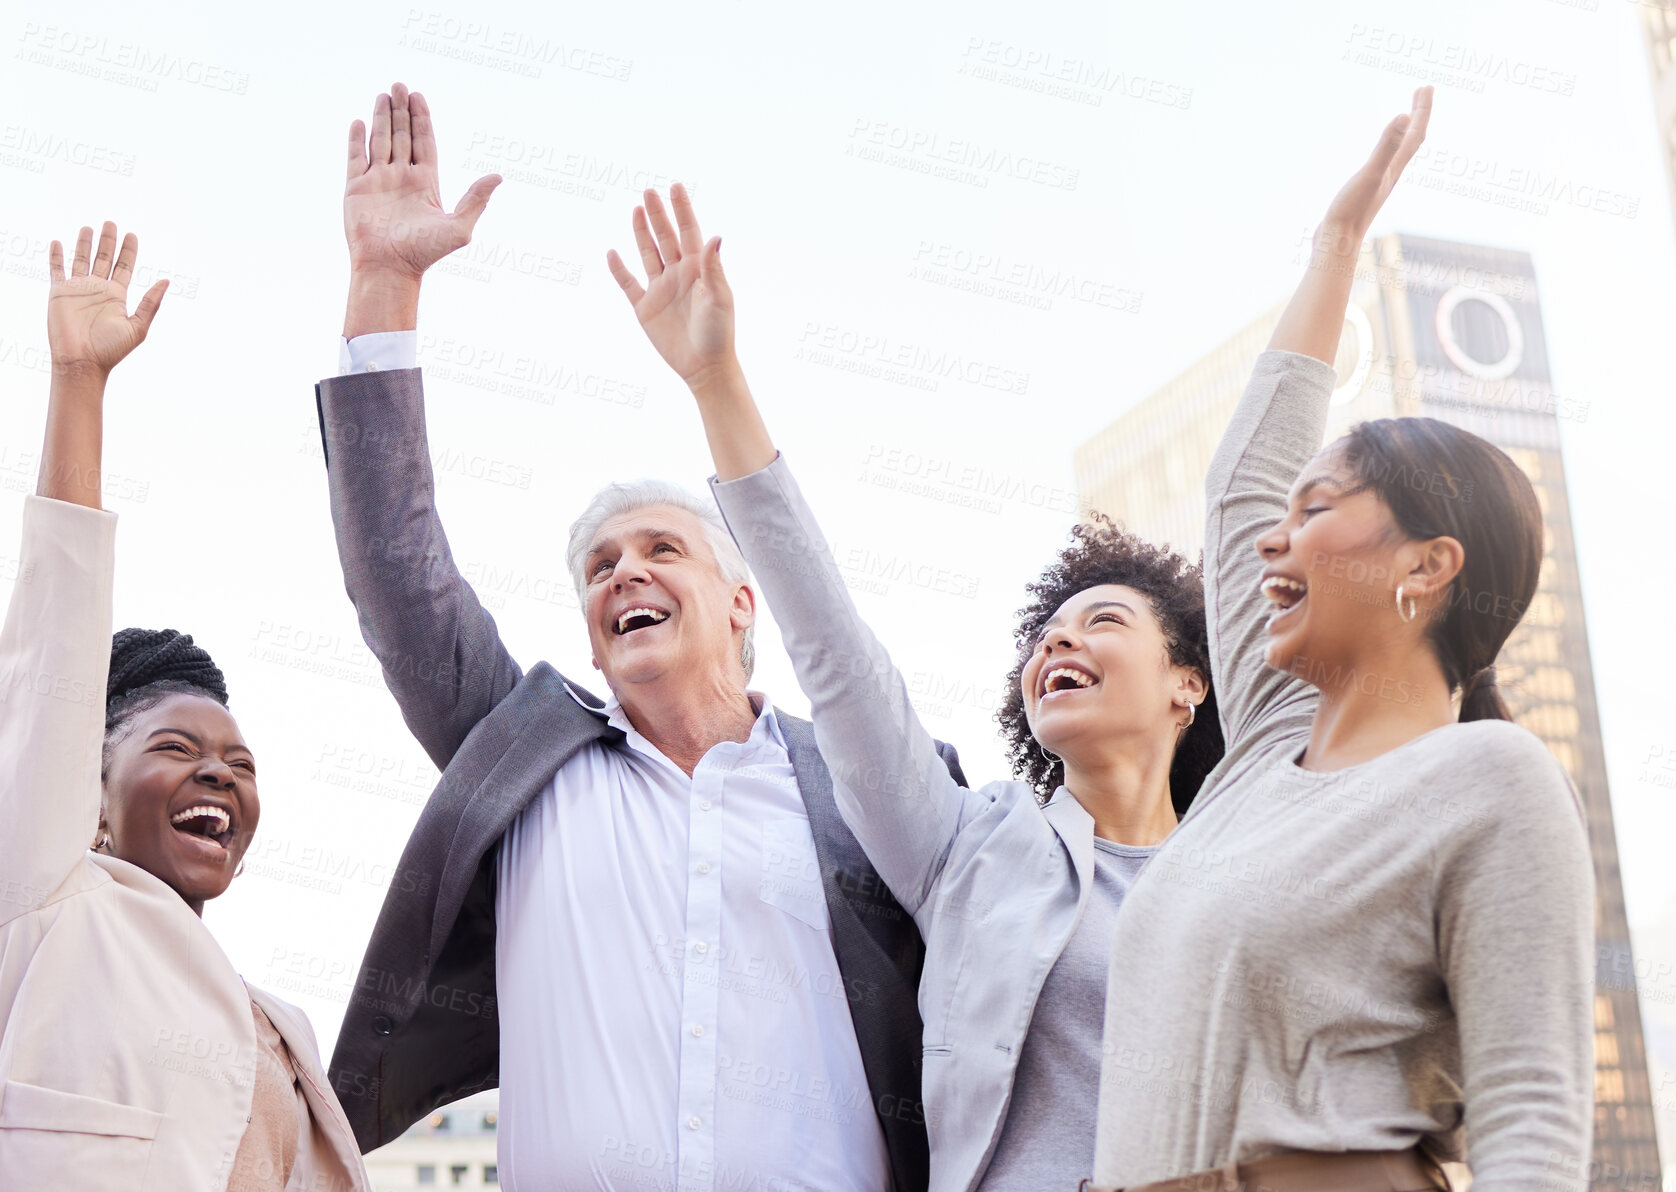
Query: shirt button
x=701 y=947
x=692 y=1122
x=704 y=804
x=704 y=867
x=370 y=366
x=698 y=1032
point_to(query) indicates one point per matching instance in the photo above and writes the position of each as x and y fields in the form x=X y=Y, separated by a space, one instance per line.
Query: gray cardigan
x=995 y=881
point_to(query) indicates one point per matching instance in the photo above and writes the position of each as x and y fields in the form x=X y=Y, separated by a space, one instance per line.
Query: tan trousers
x=1309 y=1171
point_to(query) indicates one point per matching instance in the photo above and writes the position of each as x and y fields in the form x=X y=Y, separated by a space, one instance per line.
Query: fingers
x=686 y=220
x=668 y=245
x=625 y=279
x=401 y=133
x=146 y=311
x=424 y=137
x=710 y=273
x=1418 y=118
x=357 y=150
x=378 y=152
x=648 y=250
x=106 y=253
x=1390 y=141
x=84 y=248
x=55 y=261
x=476 y=198
x=125 y=260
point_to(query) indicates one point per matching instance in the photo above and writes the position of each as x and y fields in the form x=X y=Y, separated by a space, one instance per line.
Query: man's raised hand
x=89 y=328
x=393 y=216
x=685 y=307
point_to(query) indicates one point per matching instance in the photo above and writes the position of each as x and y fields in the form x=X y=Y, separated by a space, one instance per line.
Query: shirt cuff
x=378 y=350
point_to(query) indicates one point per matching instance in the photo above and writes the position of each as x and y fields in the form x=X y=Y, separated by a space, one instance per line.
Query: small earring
x=239 y=872
x=1192 y=714
x=104 y=839
x=1051 y=759
x=1412 y=609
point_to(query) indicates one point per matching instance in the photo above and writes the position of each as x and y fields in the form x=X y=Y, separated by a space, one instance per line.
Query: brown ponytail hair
x=1439 y=480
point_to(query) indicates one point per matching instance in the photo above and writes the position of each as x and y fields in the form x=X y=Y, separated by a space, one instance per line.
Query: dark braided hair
x=1102 y=552
x=147 y=665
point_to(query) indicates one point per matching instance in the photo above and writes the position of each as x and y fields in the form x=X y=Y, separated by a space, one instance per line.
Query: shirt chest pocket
x=45 y=1133
x=791 y=871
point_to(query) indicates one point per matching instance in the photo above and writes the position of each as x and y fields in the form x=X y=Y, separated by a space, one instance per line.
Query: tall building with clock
x=1451 y=331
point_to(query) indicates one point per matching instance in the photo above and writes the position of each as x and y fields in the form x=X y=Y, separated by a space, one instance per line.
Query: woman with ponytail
x=132 y=1055
x=1367 y=952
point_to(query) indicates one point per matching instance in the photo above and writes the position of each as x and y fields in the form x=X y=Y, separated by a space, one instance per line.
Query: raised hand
x=89 y=328
x=686 y=307
x=1314 y=320
x=1353 y=209
x=393 y=216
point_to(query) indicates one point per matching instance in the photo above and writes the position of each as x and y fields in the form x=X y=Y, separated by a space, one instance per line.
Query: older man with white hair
x=642 y=918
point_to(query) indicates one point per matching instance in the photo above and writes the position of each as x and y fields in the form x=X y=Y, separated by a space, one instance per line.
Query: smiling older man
x=642 y=918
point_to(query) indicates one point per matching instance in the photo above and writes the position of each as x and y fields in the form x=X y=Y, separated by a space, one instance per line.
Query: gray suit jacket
x=421 y=1028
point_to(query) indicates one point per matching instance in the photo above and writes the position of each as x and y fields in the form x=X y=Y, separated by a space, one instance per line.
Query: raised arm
x=1276 y=428
x=55 y=647
x=891 y=786
x=441 y=652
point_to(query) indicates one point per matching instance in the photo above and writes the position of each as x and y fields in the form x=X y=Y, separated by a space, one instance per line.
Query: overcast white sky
x=1220 y=132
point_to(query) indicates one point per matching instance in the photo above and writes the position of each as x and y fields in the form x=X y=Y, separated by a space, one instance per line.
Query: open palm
x=88 y=324
x=1354 y=207
x=686 y=307
x=393 y=215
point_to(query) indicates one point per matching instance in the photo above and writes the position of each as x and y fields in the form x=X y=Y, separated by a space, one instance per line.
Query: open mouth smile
x=1286 y=594
x=205 y=823
x=639 y=617
x=1065 y=678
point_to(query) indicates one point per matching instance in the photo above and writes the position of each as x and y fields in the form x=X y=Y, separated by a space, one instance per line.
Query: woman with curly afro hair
x=1015 y=887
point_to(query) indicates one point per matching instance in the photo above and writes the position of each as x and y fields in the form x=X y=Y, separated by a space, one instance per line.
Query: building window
x=457 y=1174
x=427 y=1175
x=491 y=1174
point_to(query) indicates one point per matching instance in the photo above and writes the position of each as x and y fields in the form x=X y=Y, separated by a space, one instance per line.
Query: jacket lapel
x=1076 y=829
x=516 y=755
x=323 y=1104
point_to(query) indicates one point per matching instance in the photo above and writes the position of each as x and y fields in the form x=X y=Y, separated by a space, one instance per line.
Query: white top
x=671 y=1009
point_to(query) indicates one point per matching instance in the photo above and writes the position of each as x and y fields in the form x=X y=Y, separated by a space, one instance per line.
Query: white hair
x=615 y=500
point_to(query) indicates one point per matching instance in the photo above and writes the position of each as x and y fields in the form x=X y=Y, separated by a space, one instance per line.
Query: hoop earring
x=104 y=839
x=1412 y=609
x=239 y=872
x=1192 y=714
x=1051 y=759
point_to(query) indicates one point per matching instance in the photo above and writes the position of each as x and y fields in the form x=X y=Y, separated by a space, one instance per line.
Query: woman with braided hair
x=132 y=1055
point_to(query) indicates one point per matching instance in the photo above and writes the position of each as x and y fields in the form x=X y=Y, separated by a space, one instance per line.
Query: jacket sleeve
x=442 y=655
x=897 y=791
x=55 y=653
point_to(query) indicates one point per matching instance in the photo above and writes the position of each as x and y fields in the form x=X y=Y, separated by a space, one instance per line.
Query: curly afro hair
x=1102 y=552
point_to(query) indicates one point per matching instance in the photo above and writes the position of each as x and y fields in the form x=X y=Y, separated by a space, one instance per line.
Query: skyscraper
x=1454 y=332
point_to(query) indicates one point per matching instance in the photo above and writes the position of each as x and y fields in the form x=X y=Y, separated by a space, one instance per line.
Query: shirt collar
x=765 y=731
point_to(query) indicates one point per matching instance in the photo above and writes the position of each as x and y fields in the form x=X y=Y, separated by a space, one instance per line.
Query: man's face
x=657 y=605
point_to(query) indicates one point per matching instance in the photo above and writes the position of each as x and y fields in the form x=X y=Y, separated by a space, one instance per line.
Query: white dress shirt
x=672 y=1015
x=671 y=1011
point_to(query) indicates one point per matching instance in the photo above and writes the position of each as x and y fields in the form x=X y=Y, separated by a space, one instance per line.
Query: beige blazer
x=127 y=1048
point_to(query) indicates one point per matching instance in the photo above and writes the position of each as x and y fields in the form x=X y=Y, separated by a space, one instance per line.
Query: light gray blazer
x=995 y=882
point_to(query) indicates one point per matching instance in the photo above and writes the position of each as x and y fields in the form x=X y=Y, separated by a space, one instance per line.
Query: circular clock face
x=1488 y=370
